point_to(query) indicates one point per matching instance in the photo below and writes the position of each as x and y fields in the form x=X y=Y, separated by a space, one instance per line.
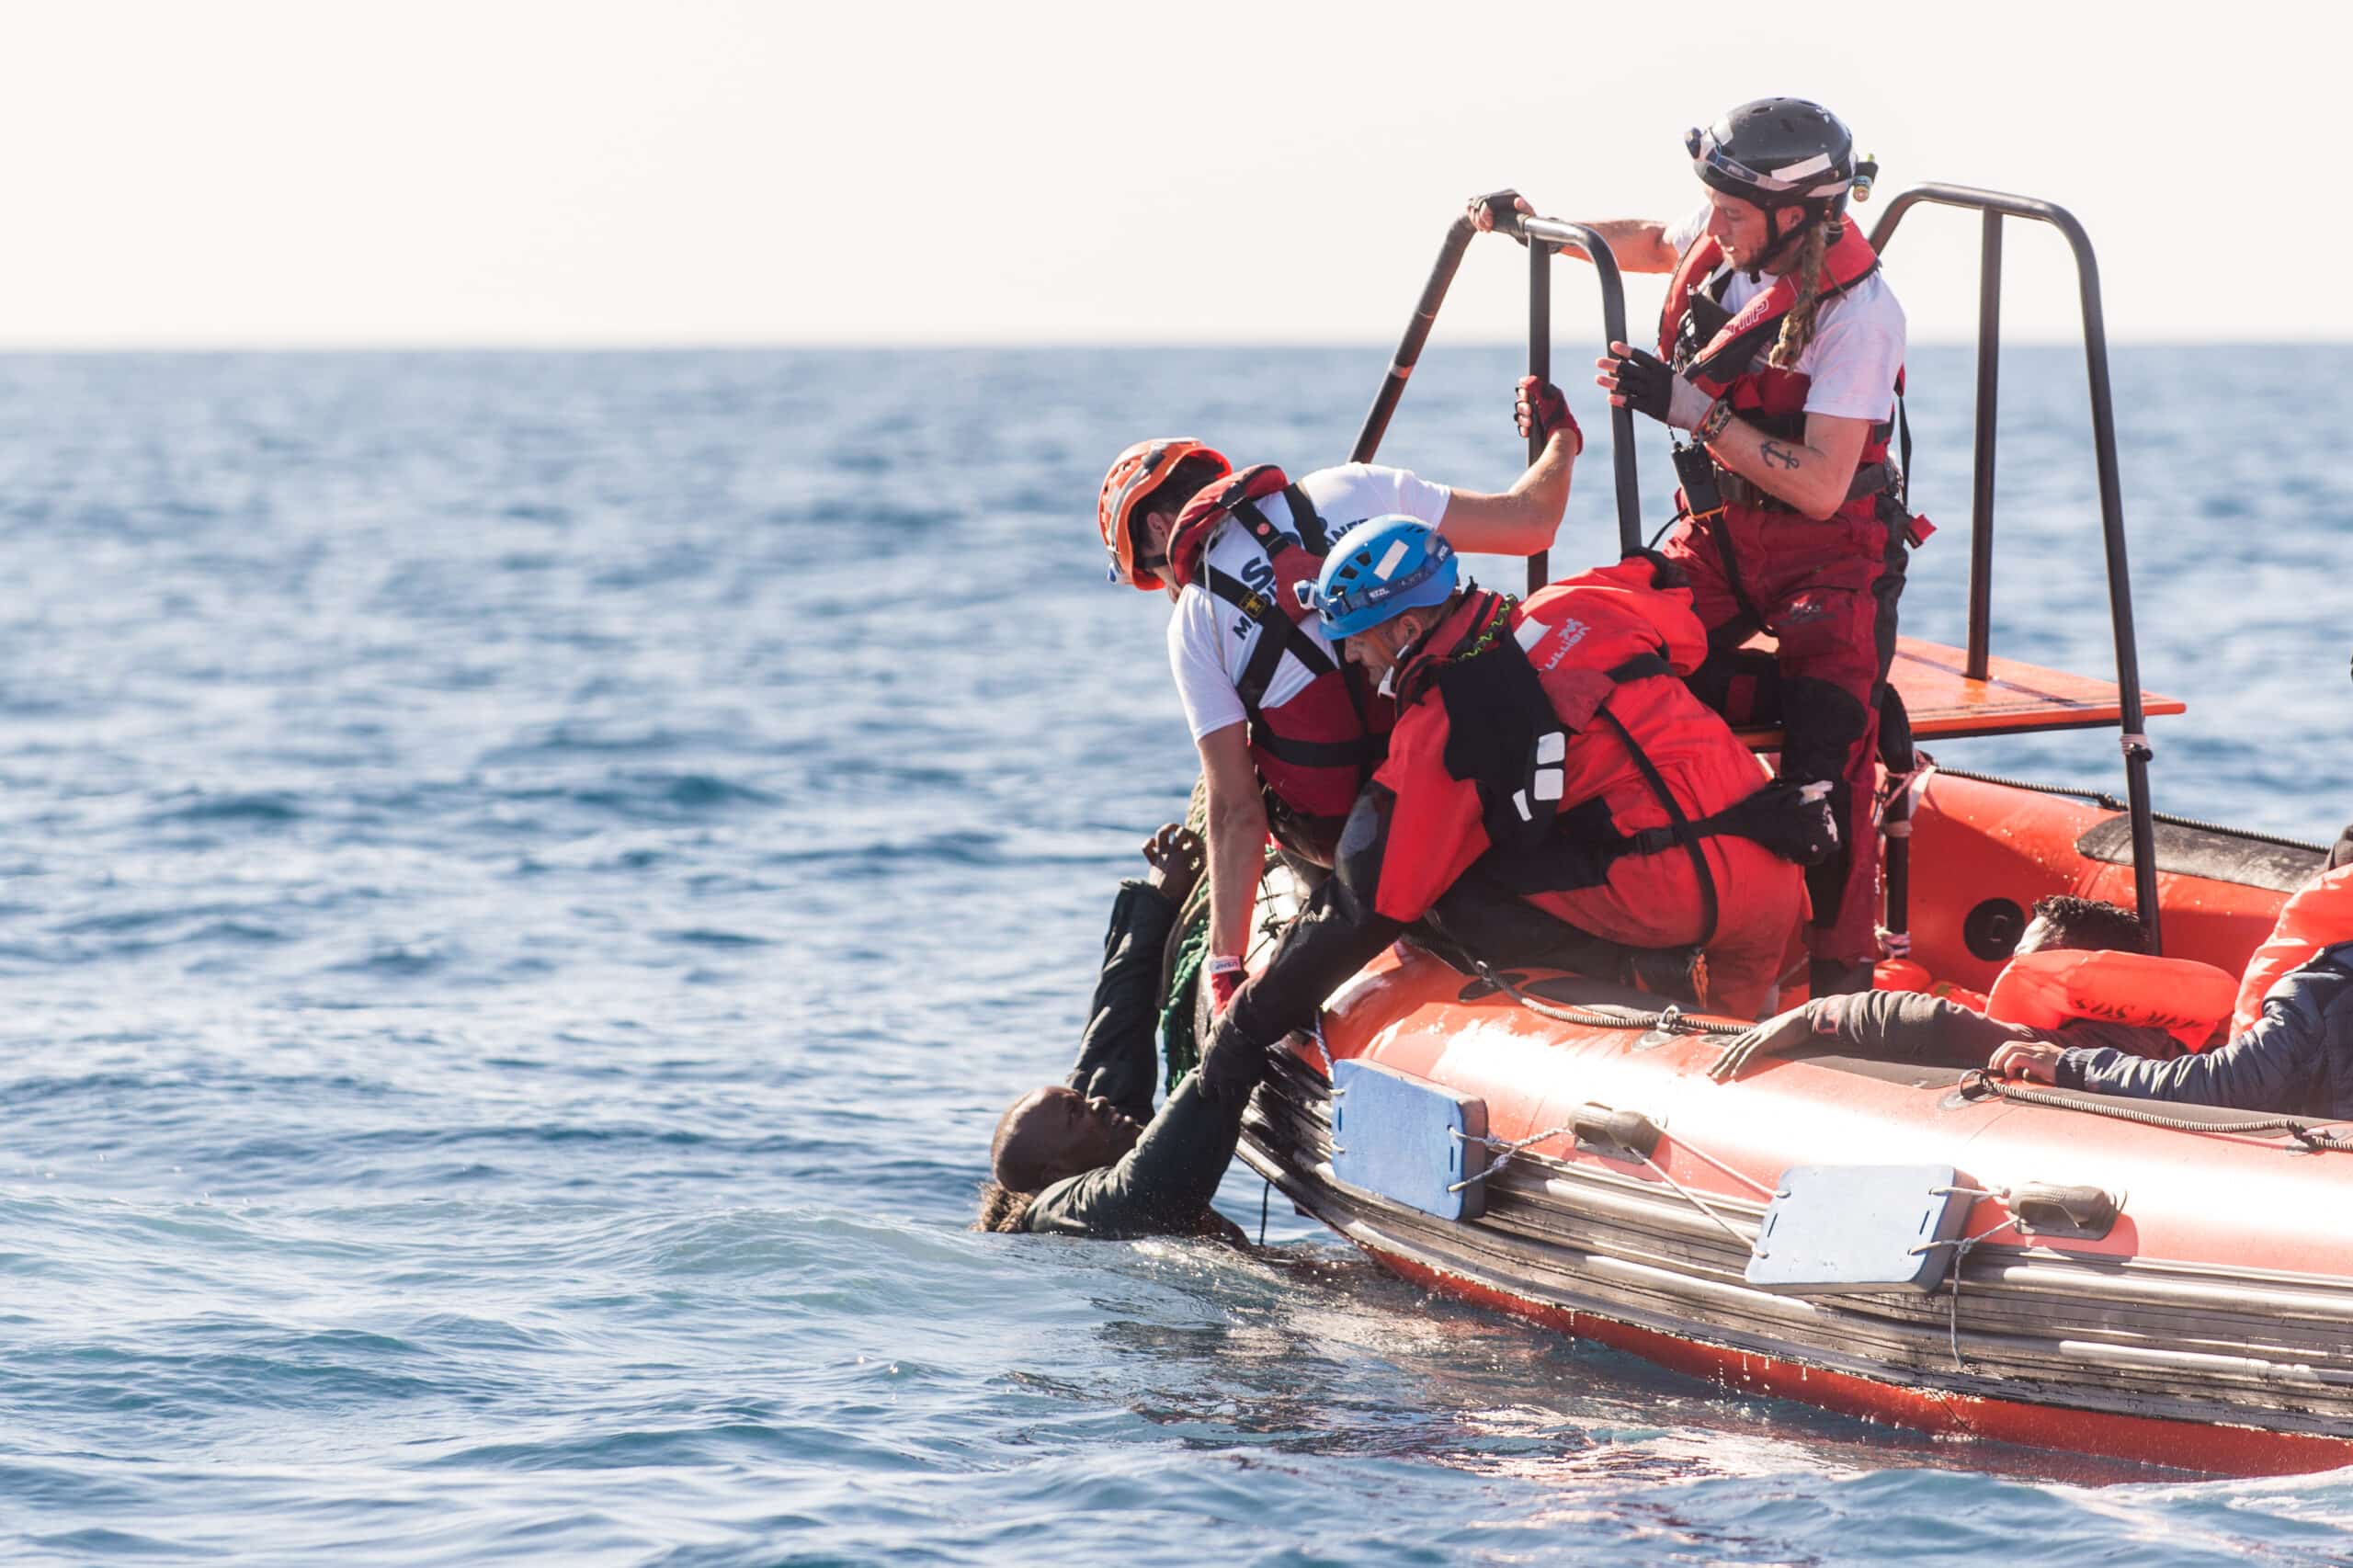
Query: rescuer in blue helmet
x=1553 y=746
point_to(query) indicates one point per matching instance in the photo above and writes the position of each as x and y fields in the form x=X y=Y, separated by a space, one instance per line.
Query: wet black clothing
x=1114 y=1050
x=1163 y=1186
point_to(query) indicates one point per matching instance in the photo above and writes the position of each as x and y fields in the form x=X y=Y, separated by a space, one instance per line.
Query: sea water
x=526 y=880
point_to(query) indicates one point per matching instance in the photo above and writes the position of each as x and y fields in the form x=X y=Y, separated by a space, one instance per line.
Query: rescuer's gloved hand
x=1494 y=211
x=1540 y=410
x=1645 y=383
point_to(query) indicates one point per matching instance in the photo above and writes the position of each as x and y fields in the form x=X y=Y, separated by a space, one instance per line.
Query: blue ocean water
x=525 y=881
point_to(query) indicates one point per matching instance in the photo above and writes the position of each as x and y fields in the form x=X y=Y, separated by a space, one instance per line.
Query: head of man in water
x=2062 y=921
x=1052 y=1134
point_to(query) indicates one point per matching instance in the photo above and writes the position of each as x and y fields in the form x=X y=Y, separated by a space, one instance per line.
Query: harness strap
x=1903 y=429
x=1682 y=825
x=1277 y=635
x=1641 y=666
x=1262 y=527
x=1744 y=349
x=1314 y=754
x=1313 y=531
x=1870 y=479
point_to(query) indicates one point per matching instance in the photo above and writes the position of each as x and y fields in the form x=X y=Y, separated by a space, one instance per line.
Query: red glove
x=1225 y=978
x=1540 y=410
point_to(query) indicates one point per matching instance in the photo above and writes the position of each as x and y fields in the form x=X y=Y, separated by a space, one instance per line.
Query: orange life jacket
x=2319 y=915
x=2045 y=990
x=1315 y=751
x=1596 y=654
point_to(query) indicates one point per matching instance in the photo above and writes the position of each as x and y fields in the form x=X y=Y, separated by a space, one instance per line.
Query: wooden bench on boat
x=2014 y=699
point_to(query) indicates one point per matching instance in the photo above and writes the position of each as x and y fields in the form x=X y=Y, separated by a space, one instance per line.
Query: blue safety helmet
x=1380 y=568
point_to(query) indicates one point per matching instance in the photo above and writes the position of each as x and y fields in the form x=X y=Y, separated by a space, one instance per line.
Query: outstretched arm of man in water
x=1115 y=1058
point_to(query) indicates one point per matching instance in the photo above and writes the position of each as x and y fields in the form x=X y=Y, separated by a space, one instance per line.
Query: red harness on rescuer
x=2185 y=998
x=1556 y=735
x=1314 y=751
x=1826 y=588
x=1725 y=362
x=2319 y=915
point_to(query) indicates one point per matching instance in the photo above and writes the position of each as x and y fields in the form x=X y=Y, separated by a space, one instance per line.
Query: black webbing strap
x=1904 y=434
x=1682 y=826
x=1641 y=666
x=1262 y=527
x=1312 y=532
x=1730 y=560
x=1743 y=349
x=1277 y=635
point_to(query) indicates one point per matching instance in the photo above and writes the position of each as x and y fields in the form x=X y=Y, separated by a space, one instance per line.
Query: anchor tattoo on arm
x=1777 y=455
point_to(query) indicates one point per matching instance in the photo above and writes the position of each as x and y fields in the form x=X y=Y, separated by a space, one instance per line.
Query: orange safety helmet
x=1136 y=472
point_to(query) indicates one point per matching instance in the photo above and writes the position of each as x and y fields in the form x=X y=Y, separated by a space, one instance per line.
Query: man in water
x=1087 y=1157
x=1287 y=732
x=1781 y=353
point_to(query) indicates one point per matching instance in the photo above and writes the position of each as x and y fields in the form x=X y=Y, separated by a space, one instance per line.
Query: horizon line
x=129 y=347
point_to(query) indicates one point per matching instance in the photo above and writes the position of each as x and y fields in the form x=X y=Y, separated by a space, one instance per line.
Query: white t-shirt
x=1210 y=641
x=1859 y=337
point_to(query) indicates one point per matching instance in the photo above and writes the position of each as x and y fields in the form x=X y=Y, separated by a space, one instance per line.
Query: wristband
x=1712 y=424
x=1223 y=963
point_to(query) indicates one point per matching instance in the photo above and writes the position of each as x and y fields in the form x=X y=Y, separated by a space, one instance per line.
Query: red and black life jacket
x=1314 y=752
x=1511 y=725
x=1723 y=353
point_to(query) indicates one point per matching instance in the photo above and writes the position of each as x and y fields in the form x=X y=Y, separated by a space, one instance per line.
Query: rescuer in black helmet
x=1779 y=359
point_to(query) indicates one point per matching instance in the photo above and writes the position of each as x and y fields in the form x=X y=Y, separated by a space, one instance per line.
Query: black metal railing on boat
x=1546 y=238
x=1995 y=206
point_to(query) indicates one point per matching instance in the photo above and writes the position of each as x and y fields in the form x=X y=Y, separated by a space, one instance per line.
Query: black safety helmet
x=1782 y=152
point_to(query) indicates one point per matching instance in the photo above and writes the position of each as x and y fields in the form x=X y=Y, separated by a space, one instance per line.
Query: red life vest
x=1314 y=751
x=2319 y=915
x=1521 y=695
x=1723 y=354
x=2045 y=990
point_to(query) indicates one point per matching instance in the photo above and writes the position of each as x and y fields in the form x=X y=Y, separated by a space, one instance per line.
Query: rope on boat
x=1960 y=1247
x=1698 y=1202
x=1520 y=1145
x=1670 y=1019
x=1770 y=1192
x=2108 y=802
x=1509 y=1149
x=1978 y=1082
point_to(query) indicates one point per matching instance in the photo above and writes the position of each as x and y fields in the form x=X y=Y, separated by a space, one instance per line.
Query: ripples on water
x=527 y=878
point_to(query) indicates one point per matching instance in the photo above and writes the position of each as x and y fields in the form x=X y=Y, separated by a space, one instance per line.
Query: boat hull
x=2210 y=1328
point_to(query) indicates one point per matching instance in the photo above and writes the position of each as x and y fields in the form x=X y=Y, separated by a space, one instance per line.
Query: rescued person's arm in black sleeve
x=1895 y=1026
x=1115 y=1058
x=1909 y=1026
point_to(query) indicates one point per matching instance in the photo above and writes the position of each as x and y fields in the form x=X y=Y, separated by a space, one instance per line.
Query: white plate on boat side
x=1835 y=1230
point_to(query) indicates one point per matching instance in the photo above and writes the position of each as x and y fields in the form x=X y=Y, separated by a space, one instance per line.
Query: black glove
x=1502 y=208
x=1540 y=410
x=1646 y=383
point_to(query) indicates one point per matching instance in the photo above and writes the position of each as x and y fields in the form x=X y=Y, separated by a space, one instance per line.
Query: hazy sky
x=339 y=172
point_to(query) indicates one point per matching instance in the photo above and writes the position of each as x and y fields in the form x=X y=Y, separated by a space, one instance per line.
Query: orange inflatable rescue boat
x=1918 y=1244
